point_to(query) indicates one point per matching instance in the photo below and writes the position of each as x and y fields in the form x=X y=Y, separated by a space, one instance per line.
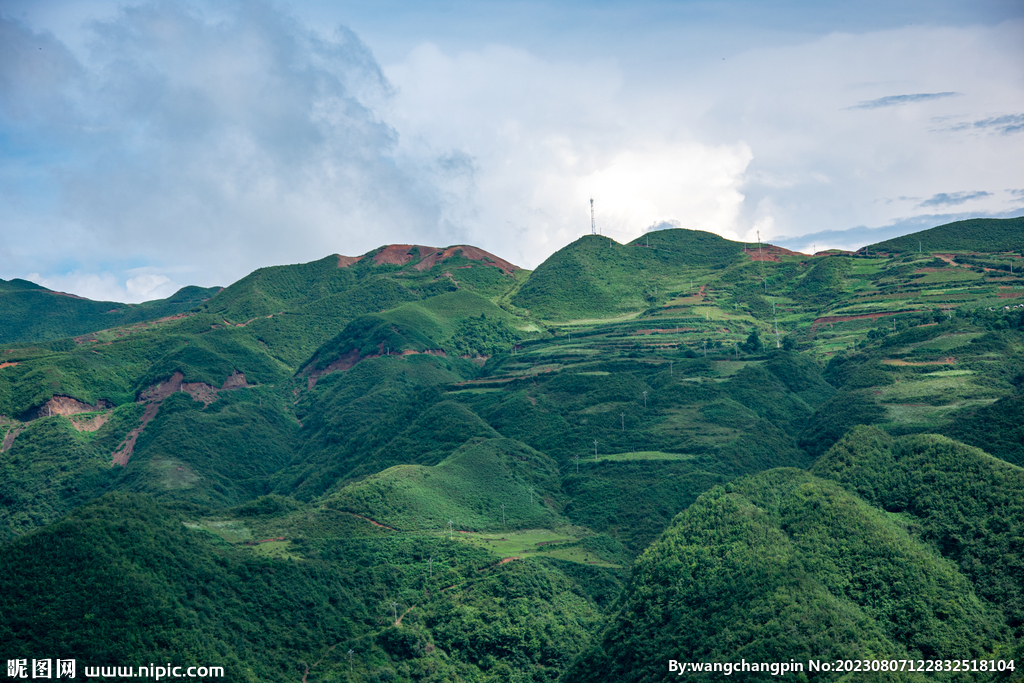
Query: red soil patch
x=429 y=259
x=90 y=425
x=948 y=258
x=429 y=352
x=845 y=318
x=346 y=261
x=66 y=406
x=400 y=254
x=342 y=363
x=498 y=563
x=7 y=364
x=393 y=255
x=155 y=395
x=769 y=252
x=1001 y=295
x=371 y=521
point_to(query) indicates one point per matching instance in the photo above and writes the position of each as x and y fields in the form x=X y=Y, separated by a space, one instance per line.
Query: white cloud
x=545 y=137
x=105 y=286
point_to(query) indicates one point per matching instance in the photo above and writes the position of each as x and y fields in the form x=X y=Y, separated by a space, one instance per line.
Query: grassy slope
x=469 y=487
x=595 y=277
x=34 y=314
x=976 y=234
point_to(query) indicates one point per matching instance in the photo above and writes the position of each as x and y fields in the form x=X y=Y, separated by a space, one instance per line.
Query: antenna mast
x=593 y=225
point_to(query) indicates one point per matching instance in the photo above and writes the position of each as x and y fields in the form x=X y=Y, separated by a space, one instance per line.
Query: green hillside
x=976 y=234
x=32 y=313
x=596 y=277
x=426 y=464
x=785 y=566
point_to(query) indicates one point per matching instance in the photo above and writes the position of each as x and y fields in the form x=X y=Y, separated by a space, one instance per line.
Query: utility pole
x=670 y=373
x=577 y=464
x=595 y=448
x=394 y=606
x=449 y=529
x=777 y=344
x=645 y=398
x=623 y=416
x=760 y=258
x=503 y=514
x=350 y=653
x=430 y=566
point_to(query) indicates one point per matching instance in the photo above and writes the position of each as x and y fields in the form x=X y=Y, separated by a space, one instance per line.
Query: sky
x=148 y=146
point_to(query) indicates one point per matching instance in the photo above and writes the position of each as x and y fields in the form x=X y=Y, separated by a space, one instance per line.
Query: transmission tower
x=593 y=225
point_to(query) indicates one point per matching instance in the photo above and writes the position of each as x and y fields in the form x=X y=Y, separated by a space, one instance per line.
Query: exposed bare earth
x=400 y=254
x=346 y=361
x=7 y=364
x=90 y=424
x=9 y=438
x=346 y=261
x=155 y=395
x=769 y=252
x=371 y=521
x=65 y=405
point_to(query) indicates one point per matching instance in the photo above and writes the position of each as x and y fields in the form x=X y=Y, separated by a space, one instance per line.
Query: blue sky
x=148 y=146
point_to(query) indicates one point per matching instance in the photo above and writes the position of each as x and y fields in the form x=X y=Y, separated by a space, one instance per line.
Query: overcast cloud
x=152 y=146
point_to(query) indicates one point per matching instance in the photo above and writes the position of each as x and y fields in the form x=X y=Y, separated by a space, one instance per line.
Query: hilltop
x=989 y=235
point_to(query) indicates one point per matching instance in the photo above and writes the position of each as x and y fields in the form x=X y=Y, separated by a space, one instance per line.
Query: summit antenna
x=593 y=225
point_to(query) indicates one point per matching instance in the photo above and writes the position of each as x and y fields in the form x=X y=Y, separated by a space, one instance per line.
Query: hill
x=991 y=235
x=596 y=277
x=785 y=566
x=33 y=314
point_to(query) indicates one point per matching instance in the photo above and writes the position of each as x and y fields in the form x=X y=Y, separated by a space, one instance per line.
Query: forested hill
x=976 y=234
x=32 y=313
x=427 y=464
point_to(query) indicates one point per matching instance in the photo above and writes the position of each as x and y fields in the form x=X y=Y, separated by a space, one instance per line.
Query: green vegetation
x=34 y=313
x=976 y=234
x=785 y=566
x=265 y=481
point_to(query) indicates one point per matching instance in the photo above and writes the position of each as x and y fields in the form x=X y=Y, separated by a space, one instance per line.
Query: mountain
x=427 y=464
